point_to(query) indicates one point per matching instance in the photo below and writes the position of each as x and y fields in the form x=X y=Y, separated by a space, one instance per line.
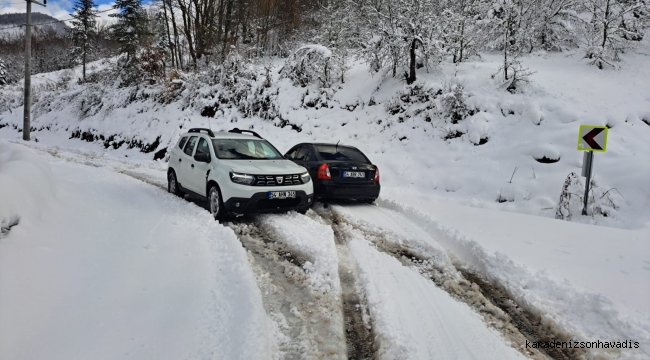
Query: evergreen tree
x=83 y=27
x=131 y=27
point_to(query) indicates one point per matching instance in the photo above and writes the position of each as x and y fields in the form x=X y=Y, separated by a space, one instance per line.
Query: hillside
x=9 y=23
x=500 y=150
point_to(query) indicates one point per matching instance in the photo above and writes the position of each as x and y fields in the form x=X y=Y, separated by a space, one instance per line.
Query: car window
x=182 y=142
x=291 y=155
x=189 y=148
x=243 y=149
x=203 y=147
x=340 y=153
x=304 y=154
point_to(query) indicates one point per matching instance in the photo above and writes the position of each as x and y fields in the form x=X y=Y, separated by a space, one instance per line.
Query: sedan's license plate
x=282 y=194
x=354 y=174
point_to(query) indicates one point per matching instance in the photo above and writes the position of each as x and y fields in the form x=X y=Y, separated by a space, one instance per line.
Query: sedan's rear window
x=340 y=153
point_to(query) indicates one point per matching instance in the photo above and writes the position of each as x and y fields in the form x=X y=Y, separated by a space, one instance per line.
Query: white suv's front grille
x=277 y=180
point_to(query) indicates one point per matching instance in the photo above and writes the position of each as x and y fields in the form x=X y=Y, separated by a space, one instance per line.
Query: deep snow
x=114 y=267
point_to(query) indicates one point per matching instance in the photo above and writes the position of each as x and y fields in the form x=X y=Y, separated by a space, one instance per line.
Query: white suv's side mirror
x=202 y=157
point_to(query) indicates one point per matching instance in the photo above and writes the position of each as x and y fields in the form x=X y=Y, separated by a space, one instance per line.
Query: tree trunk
x=411 y=78
x=179 y=58
x=605 y=25
x=227 y=29
x=462 y=41
x=84 y=61
x=187 y=23
x=505 y=54
x=169 y=37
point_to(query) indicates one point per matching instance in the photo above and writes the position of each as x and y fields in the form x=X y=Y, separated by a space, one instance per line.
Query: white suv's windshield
x=244 y=149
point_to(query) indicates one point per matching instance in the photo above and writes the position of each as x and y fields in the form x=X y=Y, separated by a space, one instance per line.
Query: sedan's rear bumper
x=260 y=203
x=330 y=190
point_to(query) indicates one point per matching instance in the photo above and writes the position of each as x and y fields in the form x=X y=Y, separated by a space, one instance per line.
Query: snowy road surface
x=117 y=268
x=112 y=266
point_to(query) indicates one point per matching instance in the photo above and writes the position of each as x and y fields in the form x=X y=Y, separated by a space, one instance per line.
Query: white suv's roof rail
x=238 y=131
x=198 y=130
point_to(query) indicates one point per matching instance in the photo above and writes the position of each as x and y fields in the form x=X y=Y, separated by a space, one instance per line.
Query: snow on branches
x=4 y=77
x=312 y=64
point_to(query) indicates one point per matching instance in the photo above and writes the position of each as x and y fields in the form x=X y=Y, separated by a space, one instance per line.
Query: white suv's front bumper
x=249 y=199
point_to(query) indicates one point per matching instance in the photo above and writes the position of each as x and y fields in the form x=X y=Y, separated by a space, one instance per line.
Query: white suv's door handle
x=192 y=166
x=179 y=159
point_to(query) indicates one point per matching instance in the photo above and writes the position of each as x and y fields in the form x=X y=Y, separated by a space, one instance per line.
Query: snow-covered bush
x=603 y=203
x=312 y=64
x=453 y=102
x=570 y=201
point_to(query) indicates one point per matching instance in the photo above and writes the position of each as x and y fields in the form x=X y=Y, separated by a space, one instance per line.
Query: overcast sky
x=59 y=9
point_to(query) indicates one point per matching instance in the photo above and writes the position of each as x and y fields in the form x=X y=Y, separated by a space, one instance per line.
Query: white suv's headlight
x=305 y=178
x=243 y=179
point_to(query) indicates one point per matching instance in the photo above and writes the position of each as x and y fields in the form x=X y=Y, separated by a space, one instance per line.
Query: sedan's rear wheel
x=215 y=203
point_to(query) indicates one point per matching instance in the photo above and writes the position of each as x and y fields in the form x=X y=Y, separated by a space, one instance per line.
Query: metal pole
x=28 y=73
x=589 y=165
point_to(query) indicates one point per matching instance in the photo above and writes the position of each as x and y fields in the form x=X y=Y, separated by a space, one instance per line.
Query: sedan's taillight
x=324 y=172
x=376 y=174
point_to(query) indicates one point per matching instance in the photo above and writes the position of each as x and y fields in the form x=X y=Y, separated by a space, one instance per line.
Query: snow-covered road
x=111 y=265
x=116 y=268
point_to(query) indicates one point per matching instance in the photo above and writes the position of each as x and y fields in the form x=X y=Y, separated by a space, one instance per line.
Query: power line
x=52 y=22
x=12 y=3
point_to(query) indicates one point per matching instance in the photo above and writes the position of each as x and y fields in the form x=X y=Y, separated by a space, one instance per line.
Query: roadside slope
x=117 y=268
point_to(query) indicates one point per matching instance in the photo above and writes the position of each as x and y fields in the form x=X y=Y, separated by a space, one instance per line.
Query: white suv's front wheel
x=215 y=203
x=172 y=184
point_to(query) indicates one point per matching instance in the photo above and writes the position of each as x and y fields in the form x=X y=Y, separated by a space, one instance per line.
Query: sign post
x=591 y=138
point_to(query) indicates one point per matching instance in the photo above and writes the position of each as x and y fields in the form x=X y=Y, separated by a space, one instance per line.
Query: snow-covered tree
x=613 y=25
x=557 y=22
x=400 y=34
x=339 y=28
x=509 y=27
x=4 y=77
x=83 y=27
x=458 y=29
x=131 y=27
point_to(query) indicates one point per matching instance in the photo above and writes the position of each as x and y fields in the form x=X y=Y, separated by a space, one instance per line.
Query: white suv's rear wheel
x=215 y=204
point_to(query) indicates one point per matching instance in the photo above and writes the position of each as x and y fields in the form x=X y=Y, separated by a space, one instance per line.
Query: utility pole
x=27 y=103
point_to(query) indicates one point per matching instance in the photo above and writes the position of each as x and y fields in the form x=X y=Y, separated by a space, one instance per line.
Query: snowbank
x=591 y=281
x=26 y=186
x=120 y=268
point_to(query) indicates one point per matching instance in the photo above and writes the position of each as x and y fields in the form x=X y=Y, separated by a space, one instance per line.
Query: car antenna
x=209 y=124
x=337 y=145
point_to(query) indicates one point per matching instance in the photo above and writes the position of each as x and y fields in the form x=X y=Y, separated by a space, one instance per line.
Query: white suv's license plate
x=354 y=174
x=282 y=194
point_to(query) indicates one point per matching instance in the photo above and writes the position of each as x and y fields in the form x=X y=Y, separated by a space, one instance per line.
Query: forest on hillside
x=402 y=37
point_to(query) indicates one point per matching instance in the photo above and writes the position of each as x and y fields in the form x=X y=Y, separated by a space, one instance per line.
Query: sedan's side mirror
x=202 y=157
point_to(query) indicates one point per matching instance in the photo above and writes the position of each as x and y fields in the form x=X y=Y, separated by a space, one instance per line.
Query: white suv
x=237 y=173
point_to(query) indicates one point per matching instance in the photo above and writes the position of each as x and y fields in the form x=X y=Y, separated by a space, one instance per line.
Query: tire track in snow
x=305 y=320
x=489 y=298
x=359 y=334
